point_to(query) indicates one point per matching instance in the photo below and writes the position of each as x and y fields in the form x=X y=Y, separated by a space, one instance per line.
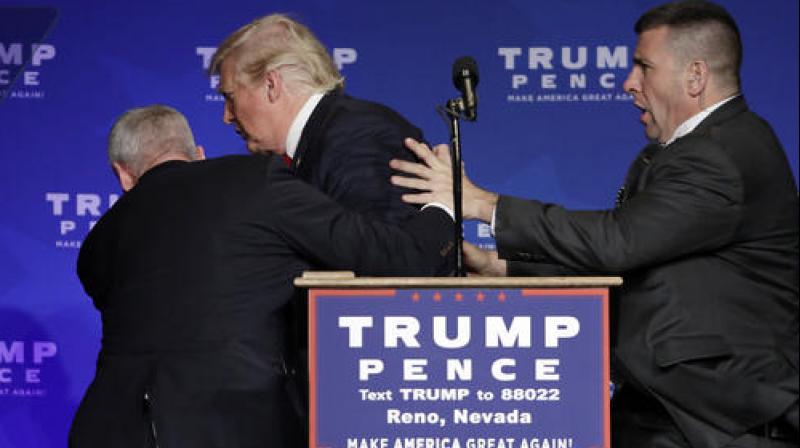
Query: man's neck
x=299 y=120
x=697 y=117
x=166 y=157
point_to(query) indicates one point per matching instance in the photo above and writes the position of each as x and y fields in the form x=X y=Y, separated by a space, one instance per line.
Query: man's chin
x=651 y=133
x=256 y=149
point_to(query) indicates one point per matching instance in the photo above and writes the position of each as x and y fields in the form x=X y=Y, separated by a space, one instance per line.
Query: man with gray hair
x=192 y=270
x=143 y=138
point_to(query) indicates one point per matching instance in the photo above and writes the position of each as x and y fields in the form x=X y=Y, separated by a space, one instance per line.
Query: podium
x=513 y=362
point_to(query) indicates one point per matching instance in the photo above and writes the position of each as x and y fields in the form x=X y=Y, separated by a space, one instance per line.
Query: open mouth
x=645 y=112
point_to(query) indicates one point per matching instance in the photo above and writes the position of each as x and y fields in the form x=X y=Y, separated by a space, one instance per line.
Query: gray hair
x=277 y=42
x=142 y=135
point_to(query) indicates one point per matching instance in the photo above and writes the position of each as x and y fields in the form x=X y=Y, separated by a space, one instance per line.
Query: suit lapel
x=639 y=166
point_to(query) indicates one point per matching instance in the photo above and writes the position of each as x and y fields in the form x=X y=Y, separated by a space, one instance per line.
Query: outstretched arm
x=484 y=262
x=331 y=236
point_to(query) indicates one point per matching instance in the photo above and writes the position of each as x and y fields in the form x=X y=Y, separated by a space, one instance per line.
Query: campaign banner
x=554 y=124
x=459 y=368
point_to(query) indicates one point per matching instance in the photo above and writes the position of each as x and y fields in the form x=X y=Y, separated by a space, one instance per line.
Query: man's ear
x=697 y=78
x=273 y=83
x=125 y=176
x=199 y=153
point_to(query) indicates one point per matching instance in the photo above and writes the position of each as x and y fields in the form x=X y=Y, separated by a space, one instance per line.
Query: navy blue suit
x=345 y=149
x=192 y=272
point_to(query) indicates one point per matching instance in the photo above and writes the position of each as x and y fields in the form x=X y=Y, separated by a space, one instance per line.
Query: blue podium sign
x=459 y=368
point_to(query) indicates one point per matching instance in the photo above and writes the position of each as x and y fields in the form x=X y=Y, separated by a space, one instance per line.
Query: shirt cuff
x=494 y=219
x=442 y=207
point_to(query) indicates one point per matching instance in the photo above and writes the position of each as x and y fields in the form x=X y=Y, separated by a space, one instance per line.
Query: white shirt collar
x=299 y=122
x=690 y=124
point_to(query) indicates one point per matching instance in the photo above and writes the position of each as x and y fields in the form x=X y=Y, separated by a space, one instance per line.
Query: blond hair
x=277 y=42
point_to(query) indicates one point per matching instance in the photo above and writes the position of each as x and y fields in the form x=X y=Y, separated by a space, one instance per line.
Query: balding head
x=144 y=137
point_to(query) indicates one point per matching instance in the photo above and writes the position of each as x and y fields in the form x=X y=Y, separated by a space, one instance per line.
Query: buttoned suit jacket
x=192 y=273
x=706 y=238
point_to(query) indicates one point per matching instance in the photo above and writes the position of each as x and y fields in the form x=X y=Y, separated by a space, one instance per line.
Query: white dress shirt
x=299 y=122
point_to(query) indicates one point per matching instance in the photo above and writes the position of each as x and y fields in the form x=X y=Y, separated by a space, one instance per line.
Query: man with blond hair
x=283 y=94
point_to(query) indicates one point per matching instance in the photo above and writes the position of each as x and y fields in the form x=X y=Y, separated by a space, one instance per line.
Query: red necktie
x=287 y=160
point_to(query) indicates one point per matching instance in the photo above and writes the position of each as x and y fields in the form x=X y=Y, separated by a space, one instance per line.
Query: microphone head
x=463 y=68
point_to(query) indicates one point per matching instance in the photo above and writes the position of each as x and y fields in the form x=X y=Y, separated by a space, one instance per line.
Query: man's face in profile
x=655 y=81
x=249 y=110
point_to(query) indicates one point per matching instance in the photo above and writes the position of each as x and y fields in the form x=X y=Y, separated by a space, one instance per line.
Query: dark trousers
x=639 y=421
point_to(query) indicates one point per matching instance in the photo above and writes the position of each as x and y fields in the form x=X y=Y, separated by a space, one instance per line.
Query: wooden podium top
x=347 y=279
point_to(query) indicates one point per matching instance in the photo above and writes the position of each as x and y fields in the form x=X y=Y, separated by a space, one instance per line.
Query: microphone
x=465 y=78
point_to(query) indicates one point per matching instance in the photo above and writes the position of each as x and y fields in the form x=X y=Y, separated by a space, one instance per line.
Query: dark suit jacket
x=707 y=241
x=192 y=273
x=345 y=149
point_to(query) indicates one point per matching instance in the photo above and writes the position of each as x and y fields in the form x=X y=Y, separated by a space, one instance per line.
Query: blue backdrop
x=553 y=124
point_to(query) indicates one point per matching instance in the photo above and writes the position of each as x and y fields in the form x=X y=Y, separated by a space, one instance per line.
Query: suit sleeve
x=528 y=269
x=94 y=261
x=692 y=203
x=321 y=230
